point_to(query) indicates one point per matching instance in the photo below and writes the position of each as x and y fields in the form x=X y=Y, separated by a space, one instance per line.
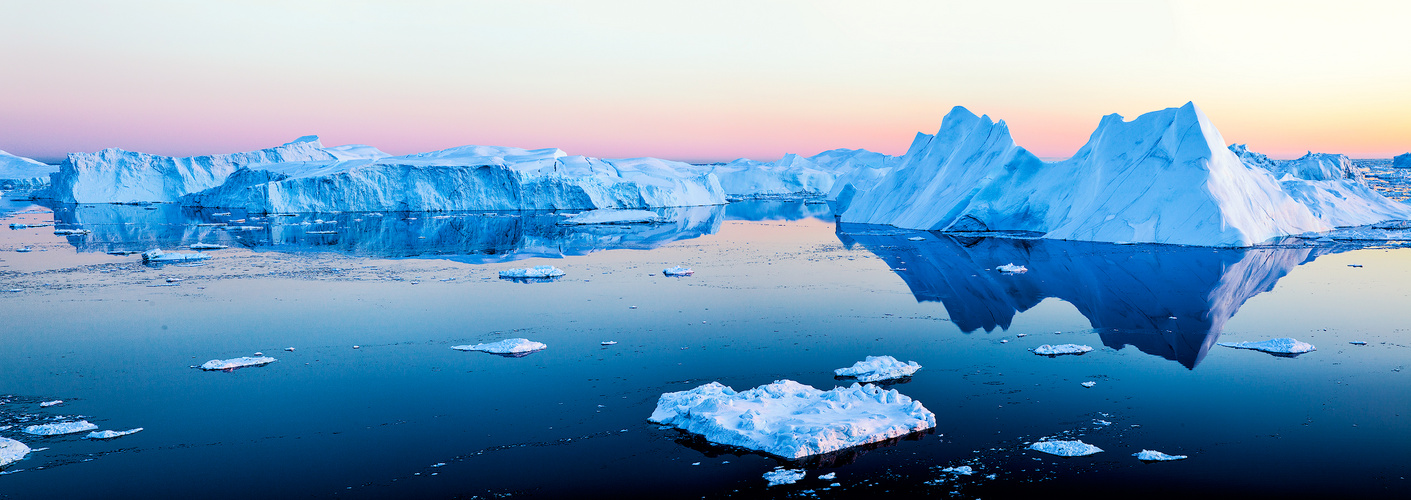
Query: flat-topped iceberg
x=11 y=451
x=111 y=434
x=1156 y=456
x=878 y=368
x=609 y=216
x=1065 y=448
x=1274 y=346
x=60 y=428
x=1055 y=350
x=233 y=363
x=517 y=346
x=20 y=173
x=793 y=420
x=536 y=272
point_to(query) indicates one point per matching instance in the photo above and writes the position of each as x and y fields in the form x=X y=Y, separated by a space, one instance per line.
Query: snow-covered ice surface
x=878 y=368
x=60 y=428
x=1274 y=346
x=677 y=271
x=1164 y=177
x=536 y=272
x=612 y=216
x=517 y=346
x=793 y=420
x=1065 y=448
x=1156 y=456
x=233 y=363
x=781 y=475
x=111 y=434
x=11 y=451
x=1055 y=350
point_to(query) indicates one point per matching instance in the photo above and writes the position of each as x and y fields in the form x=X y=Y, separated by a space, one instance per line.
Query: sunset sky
x=694 y=81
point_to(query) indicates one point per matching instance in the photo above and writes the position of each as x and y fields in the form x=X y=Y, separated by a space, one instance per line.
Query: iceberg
x=612 y=217
x=233 y=363
x=111 y=434
x=781 y=475
x=836 y=174
x=878 y=368
x=1401 y=161
x=677 y=271
x=1089 y=384
x=20 y=173
x=59 y=428
x=1055 y=350
x=1274 y=346
x=1010 y=268
x=11 y=451
x=515 y=347
x=1156 y=456
x=536 y=272
x=792 y=420
x=1164 y=177
x=1065 y=448
x=156 y=255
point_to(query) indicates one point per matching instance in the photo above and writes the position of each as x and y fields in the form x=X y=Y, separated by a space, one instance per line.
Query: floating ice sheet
x=1065 y=448
x=111 y=434
x=537 y=272
x=781 y=475
x=678 y=271
x=1275 y=346
x=877 y=368
x=157 y=255
x=11 y=451
x=233 y=363
x=1055 y=350
x=59 y=428
x=1156 y=456
x=1011 y=268
x=507 y=346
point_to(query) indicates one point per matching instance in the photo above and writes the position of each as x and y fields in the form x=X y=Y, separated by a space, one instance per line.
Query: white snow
x=612 y=216
x=792 y=420
x=1277 y=346
x=111 y=434
x=964 y=470
x=540 y=272
x=59 y=428
x=1156 y=456
x=17 y=172
x=1065 y=448
x=157 y=255
x=677 y=271
x=507 y=346
x=233 y=363
x=1164 y=177
x=877 y=368
x=1010 y=268
x=1055 y=350
x=11 y=451
x=781 y=475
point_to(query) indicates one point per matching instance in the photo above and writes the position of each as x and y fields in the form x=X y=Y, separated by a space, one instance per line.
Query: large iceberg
x=792 y=420
x=1164 y=177
x=1401 y=161
x=11 y=451
x=20 y=173
x=878 y=368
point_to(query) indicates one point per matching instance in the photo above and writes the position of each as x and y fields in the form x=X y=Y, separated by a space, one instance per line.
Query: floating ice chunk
x=157 y=255
x=793 y=420
x=1010 y=268
x=233 y=363
x=539 y=272
x=917 y=238
x=47 y=404
x=876 y=368
x=208 y=246
x=1089 y=384
x=609 y=342
x=781 y=475
x=11 y=451
x=111 y=434
x=1065 y=448
x=71 y=232
x=24 y=249
x=1156 y=456
x=964 y=470
x=828 y=477
x=1101 y=422
x=518 y=347
x=1275 y=346
x=608 y=216
x=677 y=271
x=1055 y=350
x=59 y=428
x=1358 y=342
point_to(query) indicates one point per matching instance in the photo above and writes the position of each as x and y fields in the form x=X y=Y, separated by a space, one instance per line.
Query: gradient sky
x=691 y=80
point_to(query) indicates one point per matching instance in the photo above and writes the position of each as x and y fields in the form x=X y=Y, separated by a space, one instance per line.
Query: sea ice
x=157 y=255
x=792 y=420
x=877 y=368
x=610 y=216
x=1401 y=161
x=677 y=271
x=964 y=470
x=47 y=404
x=537 y=272
x=506 y=346
x=1065 y=448
x=1055 y=350
x=233 y=363
x=1089 y=384
x=1010 y=268
x=60 y=428
x=71 y=232
x=111 y=434
x=1275 y=346
x=781 y=475
x=11 y=451
x=1156 y=456
x=207 y=246
x=828 y=477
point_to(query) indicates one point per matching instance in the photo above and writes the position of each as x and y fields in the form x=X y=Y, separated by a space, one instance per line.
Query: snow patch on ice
x=1065 y=448
x=1055 y=350
x=877 y=368
x=233 y=363
x=1275 y=346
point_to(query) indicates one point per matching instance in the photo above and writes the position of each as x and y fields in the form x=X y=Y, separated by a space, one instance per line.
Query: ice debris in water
x=1065 y=448
x=876 y=368
x=917 y=238
x=964 y=470
x=1010 y=268
x=1358 y=342
x=59 y=428
x=207 y=246
x=609 y=216
x=1089 y=384
x=111 y=434
x=828 y=477
x=233 y=363
x=678 y=271
x=1055 y=350
x=784 y=476
x=507 y=346
x=11 y=451
x=532 y=272
x=1276 y=346
x=157 y=255
x=47 y=404
x=793 y=420
x=1156 y=456
x=608 y=342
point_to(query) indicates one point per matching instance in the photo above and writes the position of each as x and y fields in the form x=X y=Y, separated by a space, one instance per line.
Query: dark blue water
x=779 y=292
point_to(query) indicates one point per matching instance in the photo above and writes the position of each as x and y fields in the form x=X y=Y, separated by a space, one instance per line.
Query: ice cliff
x=1401 y=161
x=17 y=172
x=1164 y=177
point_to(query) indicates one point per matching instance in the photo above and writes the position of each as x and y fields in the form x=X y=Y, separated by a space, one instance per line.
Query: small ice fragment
x=964 y=470
x=71 y=232
x=828 y=477
x=1010 y=268
x=1004 y=341
x=1101 y=422
x=156 y=255
x=259 y=354
x=60 y=428
x=677 y=271
x=1022 y=335
x=47 y=404
x=439 y=464
x=631 y=307
x=917 y=238
x=1349 y=265
x=111 y=434
x=696 y=463
x=609 y=342
x=516 y=347
x=1089 y=384
x=233 y=363
x=536 y=272
x=290 y=349
x=1156 y=456
x=207 y=246
x=1065 y=448
x=1055 y=350
x=784 y=476
x=357 y=347
x=1274 y=346
x=11 y=451
x=1358 y=342
x=877 y=368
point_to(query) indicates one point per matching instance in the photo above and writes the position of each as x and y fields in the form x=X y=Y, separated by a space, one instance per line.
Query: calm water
x=780 y=291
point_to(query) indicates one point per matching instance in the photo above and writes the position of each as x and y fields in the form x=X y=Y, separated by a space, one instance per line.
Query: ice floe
x=536 y=272
x=111 y=434
x=1156 y=456
x=233 y=363
x=157 y=255
x=1065 y=448
x=1274 y=346
x=1089 y=384
x=878 y=368
x=1010 y=268
x=47 y=404
x=11 y=451
x=677 y=271
x=60 y=428
x=515 y=346
x=71 y=232
x=207 y=246
x=963 y=470
x=793 y=420
x=609 y=216
x=781 y=475
x=1055 y=350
